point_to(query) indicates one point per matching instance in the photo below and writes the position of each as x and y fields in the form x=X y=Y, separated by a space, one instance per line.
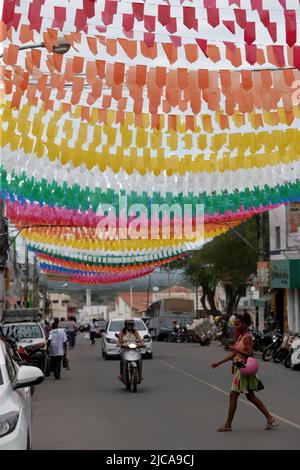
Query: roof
x=178 y=289
x=139 y=299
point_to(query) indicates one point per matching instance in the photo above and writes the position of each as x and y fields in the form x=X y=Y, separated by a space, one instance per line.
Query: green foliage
x=227 y=259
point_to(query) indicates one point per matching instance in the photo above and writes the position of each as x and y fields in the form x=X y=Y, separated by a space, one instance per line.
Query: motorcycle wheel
x=288 y=362
x=268 y=354
x=280 y=355
x=134 y=380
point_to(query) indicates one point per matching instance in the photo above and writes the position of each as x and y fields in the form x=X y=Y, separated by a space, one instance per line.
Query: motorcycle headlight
x=8 y=423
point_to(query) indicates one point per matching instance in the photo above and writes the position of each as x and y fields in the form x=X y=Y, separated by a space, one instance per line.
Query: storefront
x=285 y=275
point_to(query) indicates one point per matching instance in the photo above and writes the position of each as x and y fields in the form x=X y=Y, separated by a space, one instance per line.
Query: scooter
x=295 y=357
x=132 y=373
x=35 y=355
x=293 y=360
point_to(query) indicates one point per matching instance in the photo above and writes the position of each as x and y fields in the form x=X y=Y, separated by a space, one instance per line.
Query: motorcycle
x=12 y=345
x=269 y=352
x=261 y=340
x=293 y=359
x=283 y=352
x=131 y=374
x=35 y=355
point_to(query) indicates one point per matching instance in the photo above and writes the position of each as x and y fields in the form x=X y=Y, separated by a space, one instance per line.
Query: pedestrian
x=248 y=384
x=93 y=327
x=72 y=332
x=47 y=328
x=57 y=348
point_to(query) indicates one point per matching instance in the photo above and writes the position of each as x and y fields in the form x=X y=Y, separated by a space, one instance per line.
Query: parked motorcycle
x=35 y=355
x=284 y=351
x=269 y=352
x=12 y=345
x=261 y=340
x=293 y=359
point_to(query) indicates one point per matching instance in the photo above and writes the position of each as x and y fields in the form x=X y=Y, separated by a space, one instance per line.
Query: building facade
x=285 y=264
x=62 y=305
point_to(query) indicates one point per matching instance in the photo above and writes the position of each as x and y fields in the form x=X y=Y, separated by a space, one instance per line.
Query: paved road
x=180 y=404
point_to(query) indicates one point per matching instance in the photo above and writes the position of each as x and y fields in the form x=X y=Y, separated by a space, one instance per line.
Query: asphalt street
x=179 y=405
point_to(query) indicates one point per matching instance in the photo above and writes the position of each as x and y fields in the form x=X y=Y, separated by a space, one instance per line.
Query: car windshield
x=119 y=325
x=19 y=332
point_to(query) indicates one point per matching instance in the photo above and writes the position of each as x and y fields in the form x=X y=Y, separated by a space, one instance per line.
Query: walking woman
x=247 y=384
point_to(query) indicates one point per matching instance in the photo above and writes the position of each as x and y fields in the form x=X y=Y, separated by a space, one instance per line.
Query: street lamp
x=62 y=47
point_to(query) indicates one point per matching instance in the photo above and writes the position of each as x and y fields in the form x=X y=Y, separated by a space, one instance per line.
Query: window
x=22 y=331
x=118 y=325
x=277 y=238
x=55 y=301
x=65 y=302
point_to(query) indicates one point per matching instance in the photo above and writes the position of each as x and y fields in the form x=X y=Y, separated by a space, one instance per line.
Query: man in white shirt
x=57 y=348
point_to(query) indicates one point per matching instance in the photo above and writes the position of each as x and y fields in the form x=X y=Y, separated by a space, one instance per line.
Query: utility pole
x=169 y=279
x=35 y=285
x=261 y=251
x=26 y=279
x=3 y=255
x=131 y=300
x=148 y=294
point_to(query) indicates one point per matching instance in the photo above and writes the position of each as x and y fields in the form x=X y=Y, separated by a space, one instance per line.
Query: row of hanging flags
x=172 y=104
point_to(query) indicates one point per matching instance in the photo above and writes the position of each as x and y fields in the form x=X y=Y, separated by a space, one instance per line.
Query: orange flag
x=10 y=55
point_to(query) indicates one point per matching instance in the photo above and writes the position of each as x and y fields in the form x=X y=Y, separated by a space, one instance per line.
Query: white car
x=15 y=401
x=109 y=340
x=25 y=332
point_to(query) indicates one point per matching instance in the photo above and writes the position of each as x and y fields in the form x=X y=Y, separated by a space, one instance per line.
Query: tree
x=227 y=260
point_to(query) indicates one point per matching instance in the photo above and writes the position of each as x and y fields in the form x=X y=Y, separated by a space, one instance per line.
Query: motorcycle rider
x=126 y=336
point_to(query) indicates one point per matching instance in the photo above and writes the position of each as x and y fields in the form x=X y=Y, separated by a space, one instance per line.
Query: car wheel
x=103 y=353
x=150 y=355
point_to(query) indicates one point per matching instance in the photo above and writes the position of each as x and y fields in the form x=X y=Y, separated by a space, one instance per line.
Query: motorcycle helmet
x=129 y=321
x=250 y=368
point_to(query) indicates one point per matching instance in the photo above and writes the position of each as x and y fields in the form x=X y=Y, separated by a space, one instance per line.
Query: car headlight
x=111 y=340
x=147 y=340
x=8 y=423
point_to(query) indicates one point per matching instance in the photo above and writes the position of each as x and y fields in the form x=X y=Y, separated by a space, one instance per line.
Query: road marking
x=220 y=390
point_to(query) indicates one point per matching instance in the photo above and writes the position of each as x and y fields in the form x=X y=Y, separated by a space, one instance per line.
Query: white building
x=100 y=312
x=285 y=263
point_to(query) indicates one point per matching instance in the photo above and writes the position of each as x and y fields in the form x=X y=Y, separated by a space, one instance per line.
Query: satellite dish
x=155 y=289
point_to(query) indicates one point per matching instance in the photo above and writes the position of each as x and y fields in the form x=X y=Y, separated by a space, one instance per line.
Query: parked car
x=100 y=327
x=25 y=333
x=109 y=341
x=15 y=403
